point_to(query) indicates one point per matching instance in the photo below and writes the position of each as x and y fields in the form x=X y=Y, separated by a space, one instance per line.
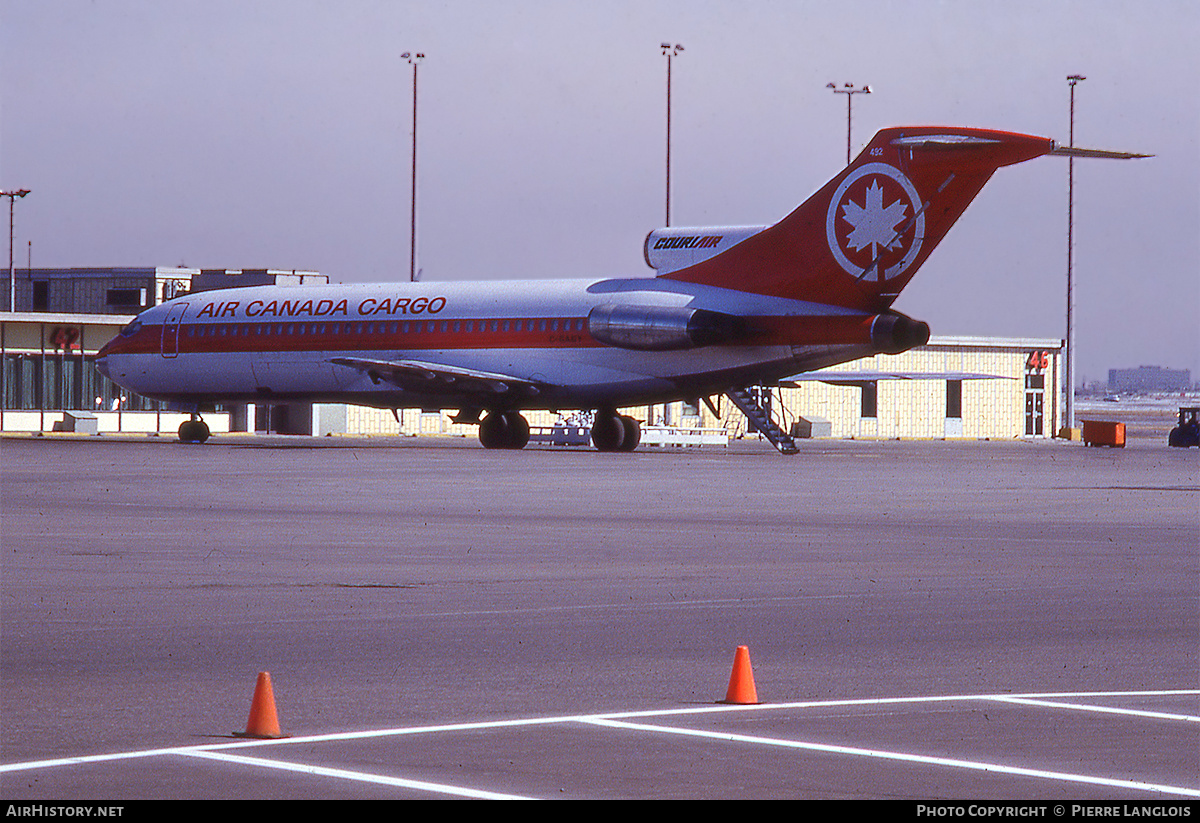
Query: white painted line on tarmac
x=283 y=741
x=901 y=756
x=613 y=718
x=362 y=777
x=83 y=760
x=885 y=701
x=1025 y=701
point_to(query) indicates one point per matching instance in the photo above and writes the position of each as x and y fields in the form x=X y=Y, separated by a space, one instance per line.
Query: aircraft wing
x=855 y=378
x=420 y=376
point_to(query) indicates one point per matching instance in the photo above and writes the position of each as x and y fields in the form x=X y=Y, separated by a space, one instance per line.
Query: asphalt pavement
x=925 y=619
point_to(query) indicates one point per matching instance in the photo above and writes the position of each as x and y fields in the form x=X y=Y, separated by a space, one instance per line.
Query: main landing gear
x=194 y=430
x=611 y=432
x=504 y=430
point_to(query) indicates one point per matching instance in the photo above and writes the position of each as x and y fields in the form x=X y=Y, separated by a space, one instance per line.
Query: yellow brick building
x=969 y=387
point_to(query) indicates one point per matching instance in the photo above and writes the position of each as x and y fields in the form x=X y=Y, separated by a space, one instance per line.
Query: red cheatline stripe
x=512 y=333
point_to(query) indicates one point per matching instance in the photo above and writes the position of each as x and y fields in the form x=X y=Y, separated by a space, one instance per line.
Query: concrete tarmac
x=925 y=619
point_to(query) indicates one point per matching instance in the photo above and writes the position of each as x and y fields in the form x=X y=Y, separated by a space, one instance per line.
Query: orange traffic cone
x=741 y=680
x=263 y=721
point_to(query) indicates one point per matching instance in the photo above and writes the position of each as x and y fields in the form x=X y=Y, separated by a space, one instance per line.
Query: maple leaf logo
x=874 y=225
x=881 y=207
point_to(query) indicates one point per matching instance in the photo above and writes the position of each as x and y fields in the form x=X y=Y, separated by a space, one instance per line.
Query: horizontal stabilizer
x=935 y=142
x=1071 y=151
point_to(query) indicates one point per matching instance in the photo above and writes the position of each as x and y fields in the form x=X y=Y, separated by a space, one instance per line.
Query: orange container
x=1104 y=433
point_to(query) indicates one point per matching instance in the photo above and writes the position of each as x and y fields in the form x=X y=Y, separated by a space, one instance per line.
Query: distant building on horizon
x=1149 y=379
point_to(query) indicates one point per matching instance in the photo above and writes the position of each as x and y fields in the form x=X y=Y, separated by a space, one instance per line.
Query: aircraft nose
x=102 y=359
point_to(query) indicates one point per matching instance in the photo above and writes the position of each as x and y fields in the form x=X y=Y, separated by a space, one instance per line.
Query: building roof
x=65 y=319
x=970 y=342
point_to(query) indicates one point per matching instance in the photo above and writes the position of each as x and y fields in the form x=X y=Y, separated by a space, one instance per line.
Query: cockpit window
x=132 y=329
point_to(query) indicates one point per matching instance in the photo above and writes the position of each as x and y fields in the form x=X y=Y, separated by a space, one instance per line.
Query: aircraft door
x=170 y=332
x=1034 y=424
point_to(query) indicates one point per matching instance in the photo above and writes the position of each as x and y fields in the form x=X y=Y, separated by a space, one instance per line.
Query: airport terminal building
x=62 y=317
x=952 y=387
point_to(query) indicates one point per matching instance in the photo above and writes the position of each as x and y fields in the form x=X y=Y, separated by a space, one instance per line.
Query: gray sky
x=276 y=133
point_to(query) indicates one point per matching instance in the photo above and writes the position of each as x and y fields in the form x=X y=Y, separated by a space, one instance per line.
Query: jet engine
x=893 y=333
x=662 y=328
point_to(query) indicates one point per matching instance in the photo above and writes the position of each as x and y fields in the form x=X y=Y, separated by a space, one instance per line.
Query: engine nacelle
x=893 y=333
x=671 y=249
x=662 y=328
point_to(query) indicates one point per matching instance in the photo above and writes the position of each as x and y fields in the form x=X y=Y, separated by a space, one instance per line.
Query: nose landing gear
x=194 y=430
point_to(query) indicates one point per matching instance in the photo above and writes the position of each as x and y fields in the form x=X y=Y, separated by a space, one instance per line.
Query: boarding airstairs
x=761 y=420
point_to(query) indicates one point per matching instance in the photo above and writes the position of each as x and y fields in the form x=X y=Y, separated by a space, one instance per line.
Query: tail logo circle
x=875 y=224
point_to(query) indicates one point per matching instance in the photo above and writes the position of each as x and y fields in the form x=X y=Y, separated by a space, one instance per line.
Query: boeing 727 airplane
x=729 y=308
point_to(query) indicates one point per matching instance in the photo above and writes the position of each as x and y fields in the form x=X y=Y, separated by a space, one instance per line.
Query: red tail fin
x=860 y=239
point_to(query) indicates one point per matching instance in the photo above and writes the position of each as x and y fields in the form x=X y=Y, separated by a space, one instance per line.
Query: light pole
x=12 y=278
x=1070 y=381
x=669 y=52
x=413 y=60
x=848 y=90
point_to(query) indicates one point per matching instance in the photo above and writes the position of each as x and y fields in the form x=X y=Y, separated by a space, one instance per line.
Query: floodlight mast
x=413 y=60
x=1070 y=375
x=669 y=52
x=848 y=90
x=12 y=277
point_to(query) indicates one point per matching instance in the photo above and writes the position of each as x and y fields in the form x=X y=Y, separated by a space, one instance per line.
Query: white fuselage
x=280 y=342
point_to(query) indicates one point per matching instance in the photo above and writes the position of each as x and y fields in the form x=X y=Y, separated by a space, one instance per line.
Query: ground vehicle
x=1187 y=433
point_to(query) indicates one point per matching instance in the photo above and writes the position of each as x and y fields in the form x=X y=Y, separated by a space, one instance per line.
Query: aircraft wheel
x=633 y=434
x=193 y=431
x=608 y=432
x=493 y=431
x=518 y=430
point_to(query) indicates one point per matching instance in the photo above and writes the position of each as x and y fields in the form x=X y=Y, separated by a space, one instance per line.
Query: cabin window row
x=387 y=327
